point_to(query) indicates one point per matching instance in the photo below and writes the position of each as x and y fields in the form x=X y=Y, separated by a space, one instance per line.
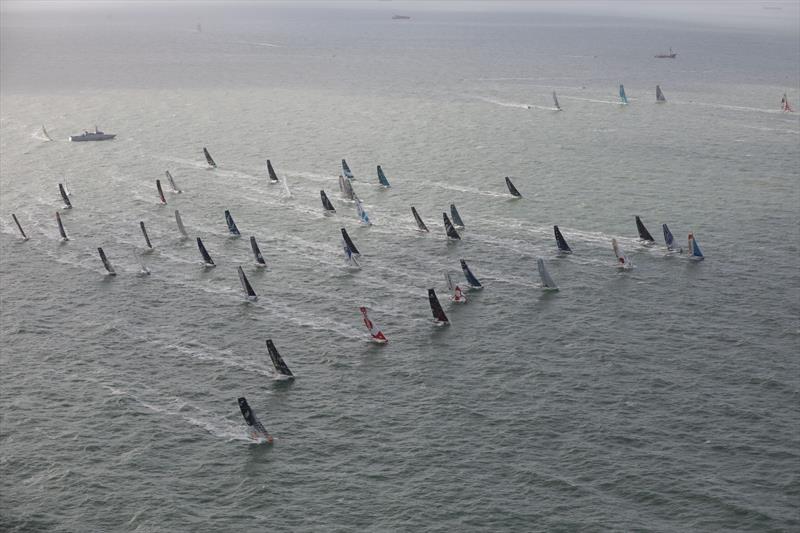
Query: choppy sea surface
x=660 y=399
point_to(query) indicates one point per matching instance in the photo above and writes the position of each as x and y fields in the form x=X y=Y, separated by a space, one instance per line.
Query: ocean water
x=660 y=399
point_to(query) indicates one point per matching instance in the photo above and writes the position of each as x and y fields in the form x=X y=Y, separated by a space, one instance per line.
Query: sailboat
x=207 y=261
x=257 y=430
x=144 y=232
x=563 y=247
x=143 y=270
x=458 y=295
x=644 y=235
x=161 y=192
x=346 y=188
x=346 y=170
x=452 y=234
x=326 y=203
x=547 y=282
x=695 y=253
x=555 y=101
x=622 y=260
x=250 y=294
x=670 y=55
x=64 y=196
x=232 y=229
x=257 y=253
x=439 y=318
x=45 y=134
x=19 y=227
x=349 y=242
x=669 y=240
x=785 y=106
x=472 y=281
x=66 y=187
x=362 y=214
x=349 y=257
x=420 y=224
x=659 y=95
x=106 y=262
x=273 y=178
x=61 y=230
x=281 y=368
x=513 y=190
x=457 y=222
x=286 y=191
x=179 y=222
x=209 y=159
x=622 y=98
x=175 y=188
x=382 y=178
x=374 y=330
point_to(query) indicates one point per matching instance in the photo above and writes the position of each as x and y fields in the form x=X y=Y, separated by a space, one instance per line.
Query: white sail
x=622 y=259
x=547 y=281
x=181 y=227
x=287 y=192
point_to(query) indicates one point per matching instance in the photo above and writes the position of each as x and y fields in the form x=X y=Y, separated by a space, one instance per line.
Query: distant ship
x=670 y=55
x=95 y=135
x=401 y=17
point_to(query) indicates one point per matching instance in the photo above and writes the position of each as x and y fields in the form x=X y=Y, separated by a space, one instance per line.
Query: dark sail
x=659 y=95
x=420 y=224
x=457 y=222
x=561 y=242
x=172 y=184
x=643 y=233
x=160 y=192
x=382 y=177
x=346 y=170
x=349 y=242
x=248 y=289
x=106 y=262
x=277 y=360
x=210 y=161
x=67 y=203
x=231 y=224
x=61 y=229
x=257 y=252
x=19 y=227
x=448 y=227
x=326 y=203
x=436 y=307
x=471 y=279
x=513 y=190
x=271 y=171
x=203 y=252
x=251 y=419
x=144 y=232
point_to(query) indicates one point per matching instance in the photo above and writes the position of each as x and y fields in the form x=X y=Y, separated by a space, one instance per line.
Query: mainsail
x=286 y=187
x=248 y=289
x=563 y=247
x=458 y=295
x=178 y=221
x=449 y=229
x=420 y=224
x=19 y=227
x=361 y=213
x=349 y=258
x=669 y=240
x=232 y=229
x=210 y=161
x=695 y=253
x=257 y=252
x=374 y=330
x=470 y=277
x=161 y=192
x=555 y=101
x=326 y=203
x=623 y=99
x=643 y=233
x=45 y=134
x=346 y=188
x=175 y=188
x=349 y=243
x=382 y=177
x=144 y=232
x=784 y=104
x=457 y=222
x=659 y=95
x=277 y=361
x=438 y=313
x=204 y=253
x=622 y=259
x=61 y=229
x=106 y=262
x=346 y=170
x=64 y=196
x=513 y=190
x=273 y=178
x=547 y=281
x=257 y=429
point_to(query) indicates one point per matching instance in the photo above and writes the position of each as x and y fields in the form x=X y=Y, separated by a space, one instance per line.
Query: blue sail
x=622 y=96
x=668 y=238
x=362 y=214
x=231 y=224
x=694 y=249
x=382 y=177
x=471 y=279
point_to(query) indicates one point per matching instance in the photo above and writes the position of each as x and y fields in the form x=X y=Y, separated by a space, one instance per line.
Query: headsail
x=438 y=313
x=513 y=190
x=19 y=227
x=232 y=229
x=175 y=188
x=785 y=104
x=349 y=242
x=273 y=178
x=643 y=233
x=622 y=259
x=326 y=203
x=547 y=281
x=457 y=222
x=161 y=192
x=458 y=295
x=374 y=330
x=420 y=224
x=277 y=361
x=61 y=229
x=361 y=213
x=248 y=289
x=144 y=232
x=210 y=161
x=563 y=247
x=555 y=101
x=64 y=196
x=178 y=221
x=204 y=253
x=106 y=262
x=257 y=252
x=449 y=229
x=623 y=99
x=256 y=428
x=659 y=94
x=346 y=170
x=669 y=240
x=470 y=277
x=349 y=258
x=382 y=177
x=695 y=253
